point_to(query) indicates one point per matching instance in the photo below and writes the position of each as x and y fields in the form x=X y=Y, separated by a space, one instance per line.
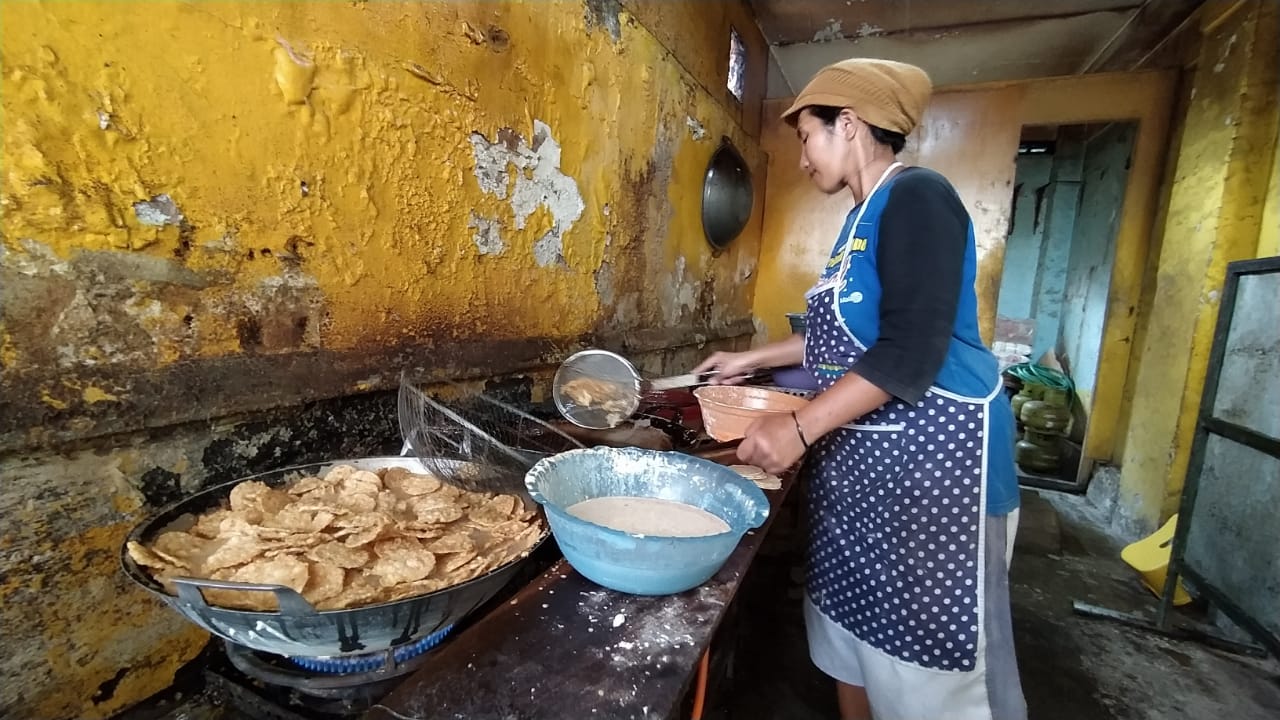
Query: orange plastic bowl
x=728 y=410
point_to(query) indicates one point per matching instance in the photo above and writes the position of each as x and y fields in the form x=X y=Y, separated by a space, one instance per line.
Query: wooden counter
x=564 y=647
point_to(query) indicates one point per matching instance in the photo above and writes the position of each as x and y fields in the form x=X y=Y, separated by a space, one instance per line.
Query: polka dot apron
x=896 y=508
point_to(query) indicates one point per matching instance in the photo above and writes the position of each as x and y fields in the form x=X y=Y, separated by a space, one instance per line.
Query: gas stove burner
x=343 y=664
x=335 y=682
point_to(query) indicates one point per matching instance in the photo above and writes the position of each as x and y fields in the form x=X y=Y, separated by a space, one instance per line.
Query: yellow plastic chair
x=1150 y=557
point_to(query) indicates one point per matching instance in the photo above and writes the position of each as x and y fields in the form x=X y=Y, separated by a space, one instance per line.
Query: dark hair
x=828 y=114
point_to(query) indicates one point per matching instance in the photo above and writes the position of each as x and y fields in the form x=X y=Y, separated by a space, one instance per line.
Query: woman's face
x=824 y=150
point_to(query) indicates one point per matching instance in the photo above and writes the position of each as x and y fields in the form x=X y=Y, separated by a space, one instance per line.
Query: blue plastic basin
x=638 y=564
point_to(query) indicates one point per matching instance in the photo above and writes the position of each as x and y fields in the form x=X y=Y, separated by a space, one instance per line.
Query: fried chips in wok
x=348 y=539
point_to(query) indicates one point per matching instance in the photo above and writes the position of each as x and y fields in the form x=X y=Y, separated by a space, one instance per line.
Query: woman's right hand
x=730 y=368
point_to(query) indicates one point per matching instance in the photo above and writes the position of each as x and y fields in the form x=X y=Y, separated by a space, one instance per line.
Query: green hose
x=1041 y=375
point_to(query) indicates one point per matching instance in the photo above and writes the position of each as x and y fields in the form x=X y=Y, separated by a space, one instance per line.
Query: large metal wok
x=297 y=628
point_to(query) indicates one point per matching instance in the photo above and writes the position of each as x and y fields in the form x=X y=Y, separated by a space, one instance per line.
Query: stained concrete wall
x=1217 y=213
x=228 y=226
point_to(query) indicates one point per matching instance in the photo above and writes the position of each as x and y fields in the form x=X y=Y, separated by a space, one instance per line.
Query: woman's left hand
x=772 y=444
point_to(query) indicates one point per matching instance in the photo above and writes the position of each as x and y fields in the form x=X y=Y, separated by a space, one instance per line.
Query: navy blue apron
x=896 y=506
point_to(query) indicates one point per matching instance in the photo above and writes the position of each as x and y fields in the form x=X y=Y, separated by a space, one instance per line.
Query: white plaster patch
x=159 y=211
x=604 y=284
x=831 y=32
x=695 y=128
x=275 y=287
x=36 y=258
x=487 y=237
x=538 y=183
x=548 y=250
x=223 y=243
x=491 y=165
x=678 y=294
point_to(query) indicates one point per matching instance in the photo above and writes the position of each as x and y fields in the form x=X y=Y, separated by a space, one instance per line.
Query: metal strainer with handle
x=474 y=441
x=599 y=389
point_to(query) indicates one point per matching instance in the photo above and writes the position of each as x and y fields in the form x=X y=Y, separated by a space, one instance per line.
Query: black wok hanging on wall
x=727 y=196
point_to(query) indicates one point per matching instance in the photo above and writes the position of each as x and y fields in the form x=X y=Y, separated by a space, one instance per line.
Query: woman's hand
x=730 y=368
x=772 y=443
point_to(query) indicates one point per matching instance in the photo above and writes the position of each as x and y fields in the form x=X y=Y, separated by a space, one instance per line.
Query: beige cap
x=884 y=93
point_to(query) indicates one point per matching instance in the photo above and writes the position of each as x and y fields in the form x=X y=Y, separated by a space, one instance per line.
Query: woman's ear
x=847 y=123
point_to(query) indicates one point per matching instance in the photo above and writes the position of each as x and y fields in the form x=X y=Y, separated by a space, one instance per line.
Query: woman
x=910 y=439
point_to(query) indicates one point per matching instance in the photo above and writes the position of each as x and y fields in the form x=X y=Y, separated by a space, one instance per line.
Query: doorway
x=1068 y=196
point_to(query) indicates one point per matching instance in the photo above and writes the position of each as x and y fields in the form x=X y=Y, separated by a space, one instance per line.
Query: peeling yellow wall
x=228 y=190
x=268 y=177
x=697 y=34
x=1217 y=211
x=1269 y=235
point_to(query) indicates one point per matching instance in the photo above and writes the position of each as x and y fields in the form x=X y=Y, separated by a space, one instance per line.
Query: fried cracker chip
x=454 y=543
x=254 y=495
x=453 y=561
x=291 y=518
x=487 y=515
x=410 y=485
x=284 y=550
x=147 y=557
x=358 y=502
x=391 y=546
x=504 y=504
x=507 y=529
x=361 y=482
x=417 y=587
x=338 y=555
x=306 y=485
x=338 y=473
x=470 y=569
x=391 y=504
x=402 y=566
x=207 y=525
x=360 y=520
x=320 y=502
x=448 y=491
x=285 y=570
x=232 y=551
x=435 y=509
x=183 y=549
x=244 y=496
x=365 y=535
x=326 y=581
x=356 y=591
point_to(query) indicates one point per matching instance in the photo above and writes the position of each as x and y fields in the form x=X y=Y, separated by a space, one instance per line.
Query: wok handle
x=289 y=601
